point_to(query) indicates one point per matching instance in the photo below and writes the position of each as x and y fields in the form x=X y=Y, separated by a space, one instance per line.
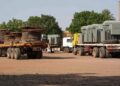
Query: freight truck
x=27 y=42
x=99 y=40
x=54 y=42
x=67 y=44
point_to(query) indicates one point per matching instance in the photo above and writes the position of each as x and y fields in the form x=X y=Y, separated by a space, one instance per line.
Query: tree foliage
x=3 y=25
x=13 y=25
x=88 y=17
x=46 y=22
x=34 y=21
x=49 y=22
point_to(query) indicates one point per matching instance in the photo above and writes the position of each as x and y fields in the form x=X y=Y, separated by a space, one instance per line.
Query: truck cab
x=67 y=44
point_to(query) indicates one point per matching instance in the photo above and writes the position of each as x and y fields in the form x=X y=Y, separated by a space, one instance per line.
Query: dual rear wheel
x=66 y=50
x=100 y=52
x=13 y=53
x=79 y=51
x=97 y=52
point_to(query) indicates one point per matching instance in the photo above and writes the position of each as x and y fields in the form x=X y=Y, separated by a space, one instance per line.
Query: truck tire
x=39 y=54
x=102 y=52
x=107 y=54
x=12 y=53
x=30 y=55
x=0 y=52
x=75 y=51
x=81 y=51
x=17 y=53
x=66 y=50
x=8 y=53
x=95 y=52
x=114 y=55
x=3 y=52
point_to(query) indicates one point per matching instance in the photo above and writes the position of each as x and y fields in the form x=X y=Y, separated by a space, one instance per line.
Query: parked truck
x=67 y=44
x=54 y=42
x=99 y=40
x=28 y=42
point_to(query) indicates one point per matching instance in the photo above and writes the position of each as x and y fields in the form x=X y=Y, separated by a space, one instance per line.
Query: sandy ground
x=60 y=69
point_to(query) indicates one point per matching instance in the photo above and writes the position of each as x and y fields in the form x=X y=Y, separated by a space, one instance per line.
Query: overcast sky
x=62 y=10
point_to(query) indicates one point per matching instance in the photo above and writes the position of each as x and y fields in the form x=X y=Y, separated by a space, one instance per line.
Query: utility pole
x=119 y=10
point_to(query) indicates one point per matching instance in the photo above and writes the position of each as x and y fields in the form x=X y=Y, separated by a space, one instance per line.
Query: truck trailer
x=99 y=40
x=54 y=42
x=27 y=42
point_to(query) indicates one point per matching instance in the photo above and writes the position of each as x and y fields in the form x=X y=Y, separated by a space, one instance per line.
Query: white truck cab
x=67 y=44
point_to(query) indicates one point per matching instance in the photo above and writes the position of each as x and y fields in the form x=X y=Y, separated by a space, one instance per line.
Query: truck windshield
x=69 y=40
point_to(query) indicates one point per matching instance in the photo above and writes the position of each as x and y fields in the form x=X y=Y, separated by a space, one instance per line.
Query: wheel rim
x=8 y=53
x=95 y=52
x=17 y=53
x=102 y=53
x=12 y=54
x=80 y=52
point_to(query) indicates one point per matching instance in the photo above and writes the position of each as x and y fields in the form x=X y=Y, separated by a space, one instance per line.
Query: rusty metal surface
x=32 y=29
x=31 y=35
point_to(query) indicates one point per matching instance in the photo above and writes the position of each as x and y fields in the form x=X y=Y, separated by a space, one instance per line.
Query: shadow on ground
x=58 y=80
x=49 y=57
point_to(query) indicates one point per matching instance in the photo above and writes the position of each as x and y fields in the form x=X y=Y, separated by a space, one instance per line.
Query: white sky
x=62 y=10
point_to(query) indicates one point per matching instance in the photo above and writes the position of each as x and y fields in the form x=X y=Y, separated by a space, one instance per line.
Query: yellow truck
x=75 y=41
x=70 y=42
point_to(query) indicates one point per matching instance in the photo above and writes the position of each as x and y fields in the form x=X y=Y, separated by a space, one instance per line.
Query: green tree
x=3 y=25
x=88 y=17
x=46 y=22
x=14 y=25
x=107 y=15
x=34 y=21
x=50 y=24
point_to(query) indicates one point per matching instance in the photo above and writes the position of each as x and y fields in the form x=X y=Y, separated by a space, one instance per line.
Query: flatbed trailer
x=30 y=43
x=99 y=40
x=98 y=50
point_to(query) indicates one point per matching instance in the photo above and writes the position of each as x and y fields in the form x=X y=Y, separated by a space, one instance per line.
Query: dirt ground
x=60 y=69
